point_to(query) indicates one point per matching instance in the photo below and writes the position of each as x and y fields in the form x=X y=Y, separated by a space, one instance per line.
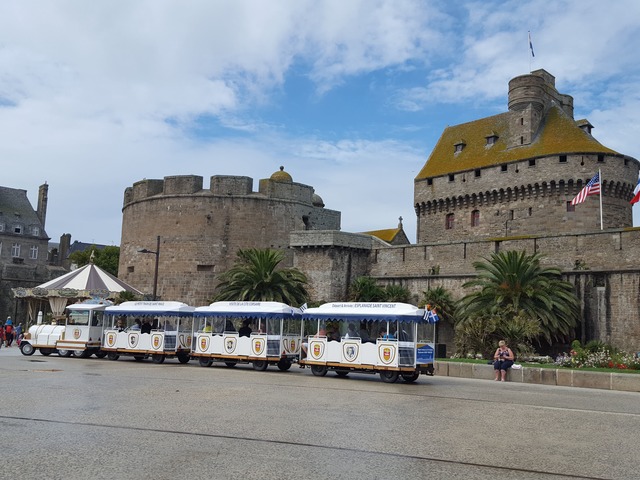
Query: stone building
x=23 y=245
x=201 y=229
x=516 y=173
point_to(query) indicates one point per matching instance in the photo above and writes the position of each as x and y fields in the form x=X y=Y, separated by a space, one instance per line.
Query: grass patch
x=543 y=365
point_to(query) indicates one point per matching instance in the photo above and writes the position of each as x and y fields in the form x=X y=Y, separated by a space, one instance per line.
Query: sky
x=349 y=96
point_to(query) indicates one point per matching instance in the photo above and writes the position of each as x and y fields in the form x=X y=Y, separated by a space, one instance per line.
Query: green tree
x=516 y=282
x=397 y=293
x=106 y=258
x=440 y=299
x=255 y=276
x=365 y=289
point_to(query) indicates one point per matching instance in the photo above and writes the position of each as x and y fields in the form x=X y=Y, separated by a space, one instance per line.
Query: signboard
x=425 y=353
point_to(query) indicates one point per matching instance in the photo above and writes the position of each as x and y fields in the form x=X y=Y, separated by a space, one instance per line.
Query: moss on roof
x=558 y=134
x=387 y=235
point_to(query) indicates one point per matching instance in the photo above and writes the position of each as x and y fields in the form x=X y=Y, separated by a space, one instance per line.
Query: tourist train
x=394 y=340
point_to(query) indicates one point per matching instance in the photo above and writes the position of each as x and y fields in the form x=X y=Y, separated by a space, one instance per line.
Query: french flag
x=636 y=193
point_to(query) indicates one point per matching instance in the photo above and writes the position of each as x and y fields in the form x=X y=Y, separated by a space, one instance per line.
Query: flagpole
x=600 y=177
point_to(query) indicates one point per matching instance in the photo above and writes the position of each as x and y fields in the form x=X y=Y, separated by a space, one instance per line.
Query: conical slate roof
x=89 y=277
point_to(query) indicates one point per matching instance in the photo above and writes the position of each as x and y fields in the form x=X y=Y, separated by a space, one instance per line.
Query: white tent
x=85 y=282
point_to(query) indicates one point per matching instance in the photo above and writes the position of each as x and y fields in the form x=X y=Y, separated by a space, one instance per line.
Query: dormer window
x=459 y=146
x=492 y=138
x=17 y=228
x=585 y=126
x=35 y=231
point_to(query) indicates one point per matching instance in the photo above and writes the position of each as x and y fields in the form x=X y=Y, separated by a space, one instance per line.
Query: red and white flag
x=591 y=188
x=636 y=193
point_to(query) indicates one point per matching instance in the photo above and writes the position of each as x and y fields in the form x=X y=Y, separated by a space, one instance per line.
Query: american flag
x=591 y=188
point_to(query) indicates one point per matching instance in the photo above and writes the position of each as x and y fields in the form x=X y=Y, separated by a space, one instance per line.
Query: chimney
x=43 y=198
x=63 y=252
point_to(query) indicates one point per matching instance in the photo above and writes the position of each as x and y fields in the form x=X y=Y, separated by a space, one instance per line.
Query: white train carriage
x=81 y=333
x=84 y=328
x=261 y=333
x=157 y=329
x=392 y=339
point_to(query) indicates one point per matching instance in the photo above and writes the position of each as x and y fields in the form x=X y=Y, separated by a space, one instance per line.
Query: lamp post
x=155 y=274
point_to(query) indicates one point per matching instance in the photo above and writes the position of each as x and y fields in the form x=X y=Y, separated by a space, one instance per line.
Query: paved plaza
x=72 y=418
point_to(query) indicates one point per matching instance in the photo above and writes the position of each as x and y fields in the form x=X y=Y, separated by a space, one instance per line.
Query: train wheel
x=184 y=357
x=101 y=354
x=389 y=376
x=284 y=364
x=410 y=377
x=113 y=356
x=230 y=364
x=27 y=349
x=64 y=353
x=138 y=358
x=260 y=365
x=319 y=370
x=81 y=353
x=205 y=362
x=46 y=351
x=342 y=373
x=157 y=359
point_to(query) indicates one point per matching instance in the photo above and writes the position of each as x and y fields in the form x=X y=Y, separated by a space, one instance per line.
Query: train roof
x=150 y=309
x=248 y=310
x=365 y=311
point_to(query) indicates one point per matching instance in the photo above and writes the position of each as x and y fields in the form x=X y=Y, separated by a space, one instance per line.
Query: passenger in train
x=333 y=335
x=146 y=326
x=351 y=332
x=137 y=325
x=245 y=330
x=364 y=332
x=120 y=324
x=229 y=327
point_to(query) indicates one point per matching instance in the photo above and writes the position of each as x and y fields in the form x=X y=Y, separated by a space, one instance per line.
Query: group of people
x=9 y=333
x=143 y=326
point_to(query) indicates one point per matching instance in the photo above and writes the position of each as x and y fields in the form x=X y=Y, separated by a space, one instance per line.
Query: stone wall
x=520 y=199
x=202 y=229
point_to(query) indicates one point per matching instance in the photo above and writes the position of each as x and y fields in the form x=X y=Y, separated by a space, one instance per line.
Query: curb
x=544 y=376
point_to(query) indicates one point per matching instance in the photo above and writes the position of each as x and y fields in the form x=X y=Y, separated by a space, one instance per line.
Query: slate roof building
x=516 y=173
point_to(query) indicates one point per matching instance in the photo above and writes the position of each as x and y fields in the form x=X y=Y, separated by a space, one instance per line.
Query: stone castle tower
x=201 y=230
x=516 y=173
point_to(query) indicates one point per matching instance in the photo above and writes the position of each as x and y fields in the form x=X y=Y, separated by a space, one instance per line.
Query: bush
x=596 y=354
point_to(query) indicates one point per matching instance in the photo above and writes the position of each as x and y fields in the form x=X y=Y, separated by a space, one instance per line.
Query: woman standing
x=503 y=359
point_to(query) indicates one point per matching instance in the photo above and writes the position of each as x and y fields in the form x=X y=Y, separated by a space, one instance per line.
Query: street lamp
x=155 y=274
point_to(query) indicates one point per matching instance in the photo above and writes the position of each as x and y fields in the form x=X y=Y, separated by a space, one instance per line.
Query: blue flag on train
x=431 y=316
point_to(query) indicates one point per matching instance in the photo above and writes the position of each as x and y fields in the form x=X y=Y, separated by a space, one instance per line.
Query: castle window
x=570 y=208
x=563 y=159
x=130 y=269
x=477 y=173
x=521 y=120
x=35 y=230
x=204 y=268
x=15 y=250
x=491 y=139
x=511 y=215
x=17 y=229
x=503 y=168
x=475 y=218
x=459 y=146
x=451 y=177
x=33 y=252
x=601 y=158
x=530 y=211
x=532 y=162
x=1 y=227
x=626 y=162
x=521 y=140
x=429 y=181
x=449 y=221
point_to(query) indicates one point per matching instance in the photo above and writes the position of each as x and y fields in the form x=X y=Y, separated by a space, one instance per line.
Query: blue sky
x=350 y=96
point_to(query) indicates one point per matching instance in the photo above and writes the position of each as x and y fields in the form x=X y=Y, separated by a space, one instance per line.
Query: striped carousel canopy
x=89 y=278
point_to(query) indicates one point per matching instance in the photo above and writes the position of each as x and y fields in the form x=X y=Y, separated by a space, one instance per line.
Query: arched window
x=449 y=221
x=475 y=218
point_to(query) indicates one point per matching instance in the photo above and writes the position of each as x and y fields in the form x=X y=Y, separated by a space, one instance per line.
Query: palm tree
x=397 y=293
x=255 y=277
x=439 y=298
x=514 y=282
x=365 y=289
